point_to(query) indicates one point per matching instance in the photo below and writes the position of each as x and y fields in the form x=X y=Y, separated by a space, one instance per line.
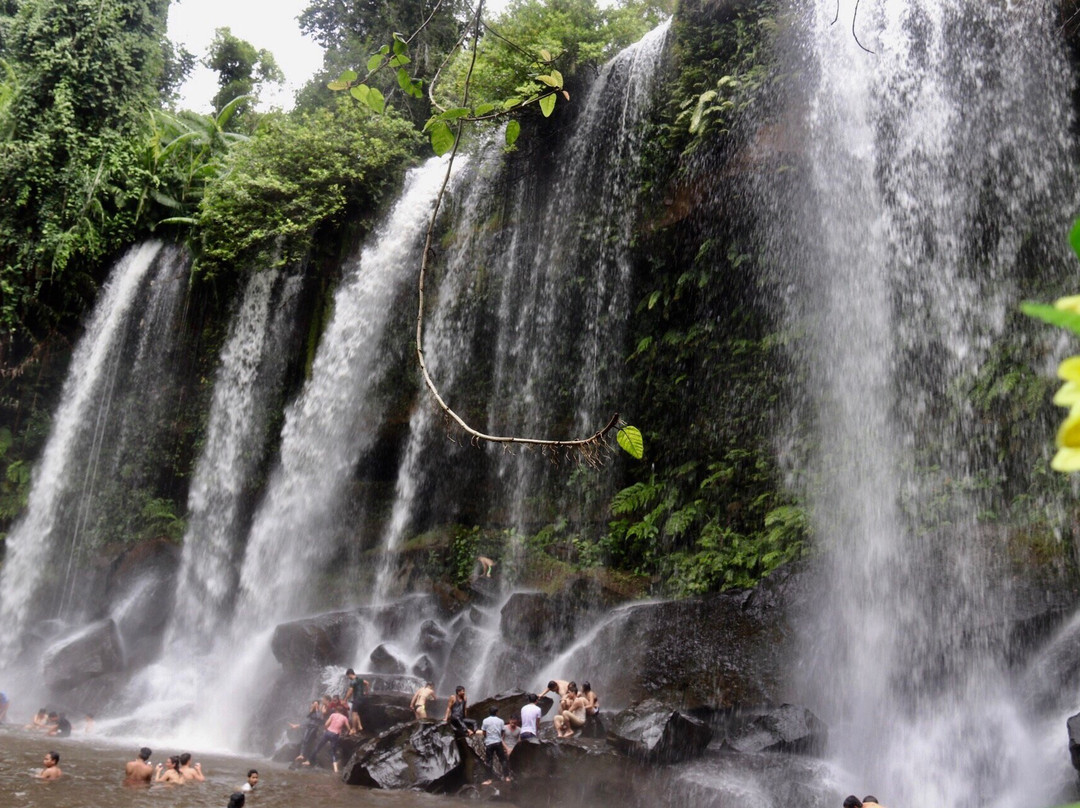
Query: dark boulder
x=432 y=638
x=381 y=711
x=93 y=651
x=1073 y=725
x=654 y=732
x=383 y=660
x=424 y=668
x=415 y=755
x=509 y=704
x=786 y=729
x=314 y=642
x=535 y=620
x=391 y=682
x=464 y=655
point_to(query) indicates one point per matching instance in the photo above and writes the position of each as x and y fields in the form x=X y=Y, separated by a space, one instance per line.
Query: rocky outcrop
x=1073 y=726
x=415 y=755
x=381 y=711
x=656 y=733
x=93 y=651
x=535 y=620
x=383 y=660
x=314 y=642
x=432 y=638
x=509 y=704
x=786 y=729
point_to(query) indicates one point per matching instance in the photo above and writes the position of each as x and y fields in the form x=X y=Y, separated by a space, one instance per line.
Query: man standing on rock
x=493 y=728
x=139 y=772
x=354 y=696
x=530 y=718
x=455 y=713
x=420 y=699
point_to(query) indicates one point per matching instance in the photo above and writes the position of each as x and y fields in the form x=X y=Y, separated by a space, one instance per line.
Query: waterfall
x=102 y=393
x=532 y=306
x=930 y=163
x=296 y=530
x=248 y=382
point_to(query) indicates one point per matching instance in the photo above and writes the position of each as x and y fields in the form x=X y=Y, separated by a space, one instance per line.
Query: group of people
x=336 y=717
x=55 y=724
x=576 y=706
x=854 y=802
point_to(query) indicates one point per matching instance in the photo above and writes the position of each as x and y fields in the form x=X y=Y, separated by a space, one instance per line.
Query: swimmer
x=62 y=728
x=52 y=767
x=171 y=773
x=41 y=718
x=252 y=780
x=188 y=772
x=236 y=800
x=139 y=772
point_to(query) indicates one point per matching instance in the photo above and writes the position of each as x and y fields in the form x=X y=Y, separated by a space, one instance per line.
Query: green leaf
x=631 y=442
x=399 y=44
x=653 y=298
x=337 y=86
x=513 y=129
x=699 y=110
x=547 y=104
x=1053 y=316
x=483 y=109
x=376 y=100
x=399 y=60
x=509 y=103
x=442 y=138
x=404 y=80
x=348 y=76
x=555 y=74
x=360 y=92
x=545 y=55
x=1074 y=238
x=454 y=113
x=374 y=62
x=5 y=440
x=551 y=81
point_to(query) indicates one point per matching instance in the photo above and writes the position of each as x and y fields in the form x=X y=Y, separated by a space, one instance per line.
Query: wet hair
x=144 y=753
x=185 y=758
x=236 y=799
x=572 y=687
x=852 y=802
x=493 y=710
x=350 y=672
x=531 y=698
x=252 y=771
x=429 y=684
x=585 y=687
x=54 y=755
x=174 y=762
x=869 y=798
x=52 y=715
x=553 y=685
x=459 y=689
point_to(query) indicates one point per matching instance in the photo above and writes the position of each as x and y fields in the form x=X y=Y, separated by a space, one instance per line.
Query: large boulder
x=509 y=704
x=464 y=656
x=383 y=660
x=536 y=621
x=432 y=639
x=93 y=651
x=786 y=729
x=424 y=668
x=414 y=755
x=654 y=732
x=1073 y=726
x=381 y=711
x=314 y=642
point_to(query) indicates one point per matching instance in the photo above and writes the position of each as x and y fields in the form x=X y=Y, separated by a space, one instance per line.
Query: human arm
x=198 y=775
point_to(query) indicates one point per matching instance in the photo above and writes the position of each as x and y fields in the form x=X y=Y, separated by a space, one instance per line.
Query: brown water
x=94 y=770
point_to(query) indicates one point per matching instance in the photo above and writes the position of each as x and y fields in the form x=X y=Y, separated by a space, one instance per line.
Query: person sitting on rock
x=41 y=718
x=592 y=701
x=493 y=729
x=62 y=727
x=572 y=716
x=530 y=718
x=420 y=699
x=455 y=714
x=191 y=774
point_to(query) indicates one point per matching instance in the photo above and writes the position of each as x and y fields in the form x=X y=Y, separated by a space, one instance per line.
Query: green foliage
x=296 y=175
x=242 y=70
x=462 y=554
x=87 y=71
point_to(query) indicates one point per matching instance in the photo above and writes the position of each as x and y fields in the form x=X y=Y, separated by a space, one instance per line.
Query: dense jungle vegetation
x=95 y=155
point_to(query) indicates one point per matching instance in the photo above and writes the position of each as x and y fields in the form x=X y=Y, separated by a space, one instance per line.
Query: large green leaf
x=547 y=104
x=376 y=100
x=513 y=129
x=631 y=442
x=442 y=139
x=1054 y=316
x=1074 y=237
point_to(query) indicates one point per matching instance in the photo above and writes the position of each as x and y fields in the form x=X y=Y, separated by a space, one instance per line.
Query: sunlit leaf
x=511 y=102
x=1052 y=315
x=374 y=62
x=348 y=76
x=1066 y=460
x=376 y=100
x=404 y=81
x=547 y=104
x=360 y=92
x=631 y=442
x=399 y=60
x=1071 y=303
x=550 y=81
x=337 y=85
x=513 y=129
x=442 y=138
x=545 y=55
x=1068 y=395
x=1068 y=436
x=1069 y=369
x=454 y=113
x=1074 y=237
x=555 y=74
x=483 y=109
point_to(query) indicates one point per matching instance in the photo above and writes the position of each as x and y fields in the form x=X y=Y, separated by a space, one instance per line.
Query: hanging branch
x=854 y=16
x=590 y=449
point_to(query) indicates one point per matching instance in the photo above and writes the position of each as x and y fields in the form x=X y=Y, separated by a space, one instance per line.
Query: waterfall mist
x=931 y=166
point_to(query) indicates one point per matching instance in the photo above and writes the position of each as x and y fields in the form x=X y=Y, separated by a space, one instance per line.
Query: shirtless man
x=556 y=686
x=170 y=774
x=188 y=772
x=52 y=767
x=139 y=772
x=420 y=699
x=572 y=716
x=592 y=701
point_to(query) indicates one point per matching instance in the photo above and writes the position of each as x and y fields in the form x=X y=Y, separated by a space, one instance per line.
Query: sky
x=269 y=24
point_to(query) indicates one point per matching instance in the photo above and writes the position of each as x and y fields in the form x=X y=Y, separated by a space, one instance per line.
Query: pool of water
x=94 y=772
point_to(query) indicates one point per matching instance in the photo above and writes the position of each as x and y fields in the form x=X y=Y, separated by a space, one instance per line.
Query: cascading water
x=930 y=163
x=248 y=381
x=296 y=530
x=46 y=541
x=557 y=274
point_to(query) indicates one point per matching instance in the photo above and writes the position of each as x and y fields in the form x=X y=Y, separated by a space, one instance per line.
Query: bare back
x=137 y=772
